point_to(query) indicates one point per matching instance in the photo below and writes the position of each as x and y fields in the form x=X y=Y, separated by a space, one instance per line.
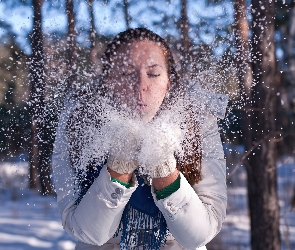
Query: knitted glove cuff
x=165 y=169
x=121 y=167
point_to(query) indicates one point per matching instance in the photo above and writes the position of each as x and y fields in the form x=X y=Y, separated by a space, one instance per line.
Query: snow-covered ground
x=235 y=233
x=30 y=221
x=27 y=220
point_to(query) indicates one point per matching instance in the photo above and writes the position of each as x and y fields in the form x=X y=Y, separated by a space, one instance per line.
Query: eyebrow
x=154 y=65
x=132 y=66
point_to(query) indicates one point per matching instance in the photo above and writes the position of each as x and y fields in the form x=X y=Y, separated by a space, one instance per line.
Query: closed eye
x=153 y=75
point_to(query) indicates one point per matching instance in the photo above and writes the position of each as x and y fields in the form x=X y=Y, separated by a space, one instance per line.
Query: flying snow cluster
x=149 y=144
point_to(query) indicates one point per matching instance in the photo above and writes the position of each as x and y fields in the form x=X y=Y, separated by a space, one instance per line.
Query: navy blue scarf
x=142 y=223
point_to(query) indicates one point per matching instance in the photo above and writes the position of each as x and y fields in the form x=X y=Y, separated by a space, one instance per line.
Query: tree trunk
x=262 y=172
x=71 y=46
x=185 y=40
x=92 y=32
x=33 y=157
x=244 y=67
x=127 y=17
x=39 y=158
x=290 y=42
x=291 y=72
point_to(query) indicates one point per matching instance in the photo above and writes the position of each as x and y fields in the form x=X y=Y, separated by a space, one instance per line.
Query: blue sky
x=109 y=18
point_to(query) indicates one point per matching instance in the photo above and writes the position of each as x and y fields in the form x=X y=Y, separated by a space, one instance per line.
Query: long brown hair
x=190 y=163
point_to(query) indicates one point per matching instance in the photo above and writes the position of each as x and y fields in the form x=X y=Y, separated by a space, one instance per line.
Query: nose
x=143 y=82
x=142 y=85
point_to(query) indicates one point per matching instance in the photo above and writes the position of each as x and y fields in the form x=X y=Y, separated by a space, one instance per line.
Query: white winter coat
x=194 y=214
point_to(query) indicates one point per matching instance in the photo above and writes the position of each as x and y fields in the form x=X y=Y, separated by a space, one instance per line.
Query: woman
x=161 y=182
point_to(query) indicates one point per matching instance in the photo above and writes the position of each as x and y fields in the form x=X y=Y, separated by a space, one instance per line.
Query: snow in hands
x=130 y=139
x=151 y=144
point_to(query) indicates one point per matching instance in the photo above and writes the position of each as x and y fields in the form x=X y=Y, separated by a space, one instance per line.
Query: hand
x=156 y=157
x=123 y=137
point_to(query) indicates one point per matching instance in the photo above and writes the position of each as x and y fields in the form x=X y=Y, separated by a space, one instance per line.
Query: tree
x=291 y=64
x=185 y=40
x=92 y=32
x=14 y=85
x=244 y=66
x=126 y=13
x=40 y=156
x=285 y=26
x=261 y=171
x=71 y=45
x=186 y=43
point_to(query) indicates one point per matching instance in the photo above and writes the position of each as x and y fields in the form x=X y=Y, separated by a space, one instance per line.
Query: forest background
x=242 y=48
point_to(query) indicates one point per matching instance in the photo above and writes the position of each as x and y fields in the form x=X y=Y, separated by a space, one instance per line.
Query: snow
x=120 y=127
x=235 y=233
x=31 y=221
x=162 y=138
x=27 y=219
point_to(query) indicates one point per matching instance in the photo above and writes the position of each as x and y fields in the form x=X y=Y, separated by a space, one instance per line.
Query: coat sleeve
x=194 y=214
x=97 y=216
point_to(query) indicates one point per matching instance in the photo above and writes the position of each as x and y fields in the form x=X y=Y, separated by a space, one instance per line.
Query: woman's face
x=139 y=78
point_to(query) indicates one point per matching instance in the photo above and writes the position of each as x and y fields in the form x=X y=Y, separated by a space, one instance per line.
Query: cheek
x=160 y=88
x=157 y=94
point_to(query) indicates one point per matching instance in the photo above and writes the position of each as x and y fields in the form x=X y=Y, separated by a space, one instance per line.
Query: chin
x=148 y=117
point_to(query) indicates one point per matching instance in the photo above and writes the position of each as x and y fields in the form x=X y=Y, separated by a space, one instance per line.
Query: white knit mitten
x=121 y=166
x=163 y=170
x=124 y=145
x=160 y=141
